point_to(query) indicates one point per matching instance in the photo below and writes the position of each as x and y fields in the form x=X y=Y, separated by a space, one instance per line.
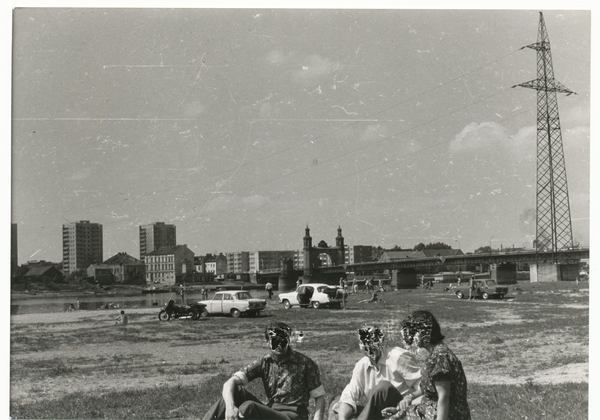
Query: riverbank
x=534 y=343
x=43 y=290
x=59 y=298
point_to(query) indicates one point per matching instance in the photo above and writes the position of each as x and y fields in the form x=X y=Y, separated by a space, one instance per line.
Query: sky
x=243 y=126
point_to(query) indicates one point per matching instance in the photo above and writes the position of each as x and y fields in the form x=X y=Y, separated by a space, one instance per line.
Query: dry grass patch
x=84 y=366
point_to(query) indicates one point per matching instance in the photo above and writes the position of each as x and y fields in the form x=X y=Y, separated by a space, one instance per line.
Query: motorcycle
x=194 y=311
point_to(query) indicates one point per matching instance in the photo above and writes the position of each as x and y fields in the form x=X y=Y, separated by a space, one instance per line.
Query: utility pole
x=554 y=238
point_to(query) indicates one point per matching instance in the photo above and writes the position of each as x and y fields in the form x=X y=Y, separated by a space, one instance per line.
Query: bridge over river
x=405 y=272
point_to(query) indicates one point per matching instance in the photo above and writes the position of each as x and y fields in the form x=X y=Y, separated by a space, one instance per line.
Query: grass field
x=525 y=356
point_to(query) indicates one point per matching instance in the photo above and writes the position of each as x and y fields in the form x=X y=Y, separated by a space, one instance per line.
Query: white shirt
x=396 y=365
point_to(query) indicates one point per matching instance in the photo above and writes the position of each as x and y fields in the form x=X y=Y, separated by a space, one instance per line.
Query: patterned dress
x=441 y=365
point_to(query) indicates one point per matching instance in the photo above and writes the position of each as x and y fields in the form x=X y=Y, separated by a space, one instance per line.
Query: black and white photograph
x=299 y=212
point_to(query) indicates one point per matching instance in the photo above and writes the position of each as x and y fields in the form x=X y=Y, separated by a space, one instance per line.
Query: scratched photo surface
x=242 y=126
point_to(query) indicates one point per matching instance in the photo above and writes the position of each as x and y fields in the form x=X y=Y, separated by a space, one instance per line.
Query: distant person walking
x=269 y=289
x=77 y=304
x=354 y=285
x=381 y=289
x=472 y=287
x=204 y=293
x=458 y=280
x=182 y=292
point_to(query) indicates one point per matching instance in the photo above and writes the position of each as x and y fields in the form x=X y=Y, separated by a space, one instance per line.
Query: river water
x=89 y=302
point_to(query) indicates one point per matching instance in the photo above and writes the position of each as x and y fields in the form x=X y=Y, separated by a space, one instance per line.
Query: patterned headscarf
x=370 y=337
x=278 y=336
x=416 y=329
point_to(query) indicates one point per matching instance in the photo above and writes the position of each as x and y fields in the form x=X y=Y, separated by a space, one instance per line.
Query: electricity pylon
x=554 y=238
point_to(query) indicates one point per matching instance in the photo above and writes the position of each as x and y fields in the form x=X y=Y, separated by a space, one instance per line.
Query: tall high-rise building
x=156 y=235
x=82 y=245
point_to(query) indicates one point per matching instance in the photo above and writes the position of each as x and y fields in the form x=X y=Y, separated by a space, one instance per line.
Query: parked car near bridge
x=485 y=289
x=312 y=295
x=234 y=303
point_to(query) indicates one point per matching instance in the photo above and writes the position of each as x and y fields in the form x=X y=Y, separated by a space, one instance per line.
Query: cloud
x=256 y=201
x=314 y=67
x=576 y=115
x=373 y=133
x=278 y=57
x=477 y=136
x=306 y=69
x=492 y=140
x=193 y=109
x=523 y=144
x=82 y=173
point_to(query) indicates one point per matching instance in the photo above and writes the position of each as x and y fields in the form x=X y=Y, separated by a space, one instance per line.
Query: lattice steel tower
x=554 y=238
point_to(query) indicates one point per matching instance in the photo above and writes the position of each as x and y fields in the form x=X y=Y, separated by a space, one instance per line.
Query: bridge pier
x=504 y=273
x=553 y=272
x=404 y=278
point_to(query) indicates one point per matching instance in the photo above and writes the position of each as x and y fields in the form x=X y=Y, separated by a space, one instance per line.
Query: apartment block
x=238 y=262
x=82 y=245
x=155 y=236
x=358 y=253
x=268 y=260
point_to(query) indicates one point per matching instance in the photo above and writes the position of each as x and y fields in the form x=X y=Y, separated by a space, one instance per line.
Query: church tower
x=307 y=254
x=339 y=244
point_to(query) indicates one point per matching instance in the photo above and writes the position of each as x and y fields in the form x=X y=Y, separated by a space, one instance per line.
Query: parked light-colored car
x=234 y=303
x=312 y=295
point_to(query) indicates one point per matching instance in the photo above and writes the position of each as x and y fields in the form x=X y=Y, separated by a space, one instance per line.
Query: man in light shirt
x=379 y=380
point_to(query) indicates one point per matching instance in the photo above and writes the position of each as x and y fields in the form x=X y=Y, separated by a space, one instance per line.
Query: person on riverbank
x=443 y=386
x=122 y=319
x=269 y=289
x=182 y=293
x=379 y=380
x=472 y=287
x=368 y=285
x=290 y=380
x=372 y=299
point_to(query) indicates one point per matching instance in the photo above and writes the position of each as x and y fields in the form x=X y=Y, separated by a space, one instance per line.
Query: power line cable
x=262 y=158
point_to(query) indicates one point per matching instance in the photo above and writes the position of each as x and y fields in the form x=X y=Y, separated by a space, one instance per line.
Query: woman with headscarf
x=443 y=383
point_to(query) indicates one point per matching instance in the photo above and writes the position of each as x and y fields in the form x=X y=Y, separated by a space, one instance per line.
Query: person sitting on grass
x=373 y=298
x=122 y=319
x=379 y=380
x=443 y=386
x=290 y=379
